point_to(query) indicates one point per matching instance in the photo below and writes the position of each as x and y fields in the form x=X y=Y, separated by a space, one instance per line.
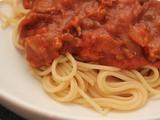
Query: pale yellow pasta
x=102 y=88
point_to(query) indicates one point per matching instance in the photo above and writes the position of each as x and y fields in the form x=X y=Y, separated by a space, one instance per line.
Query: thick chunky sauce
x=120 y=33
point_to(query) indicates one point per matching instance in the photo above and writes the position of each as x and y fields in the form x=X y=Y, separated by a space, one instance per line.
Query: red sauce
x=120 y=33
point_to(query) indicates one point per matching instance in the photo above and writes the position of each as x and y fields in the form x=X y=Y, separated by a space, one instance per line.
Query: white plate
x=23 y=94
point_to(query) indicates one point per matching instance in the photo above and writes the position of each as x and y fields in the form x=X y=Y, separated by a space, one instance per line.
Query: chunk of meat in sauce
x=28 y=4
x=42 y=49
x=146 y=31
x=120 y=33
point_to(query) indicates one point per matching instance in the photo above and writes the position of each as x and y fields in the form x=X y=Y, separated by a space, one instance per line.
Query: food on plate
x=104 y=54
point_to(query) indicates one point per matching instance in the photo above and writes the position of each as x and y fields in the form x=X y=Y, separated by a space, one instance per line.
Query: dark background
x=6 y=114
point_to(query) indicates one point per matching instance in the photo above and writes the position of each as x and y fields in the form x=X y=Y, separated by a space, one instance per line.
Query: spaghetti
x=100 y=87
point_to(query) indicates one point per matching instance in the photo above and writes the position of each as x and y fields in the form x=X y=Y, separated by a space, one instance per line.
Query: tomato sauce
x=119 y=33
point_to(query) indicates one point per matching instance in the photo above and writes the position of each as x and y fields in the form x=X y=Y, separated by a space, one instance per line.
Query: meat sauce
x=119 y=33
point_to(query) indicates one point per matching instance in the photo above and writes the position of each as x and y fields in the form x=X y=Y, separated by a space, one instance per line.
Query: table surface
x=6 y=114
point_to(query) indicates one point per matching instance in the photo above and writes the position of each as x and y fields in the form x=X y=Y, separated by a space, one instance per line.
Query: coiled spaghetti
x=102 y=88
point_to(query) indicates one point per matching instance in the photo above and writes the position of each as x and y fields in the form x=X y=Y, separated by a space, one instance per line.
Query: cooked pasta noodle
x=102 y=88
x=18 y=12
x=95 y=87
